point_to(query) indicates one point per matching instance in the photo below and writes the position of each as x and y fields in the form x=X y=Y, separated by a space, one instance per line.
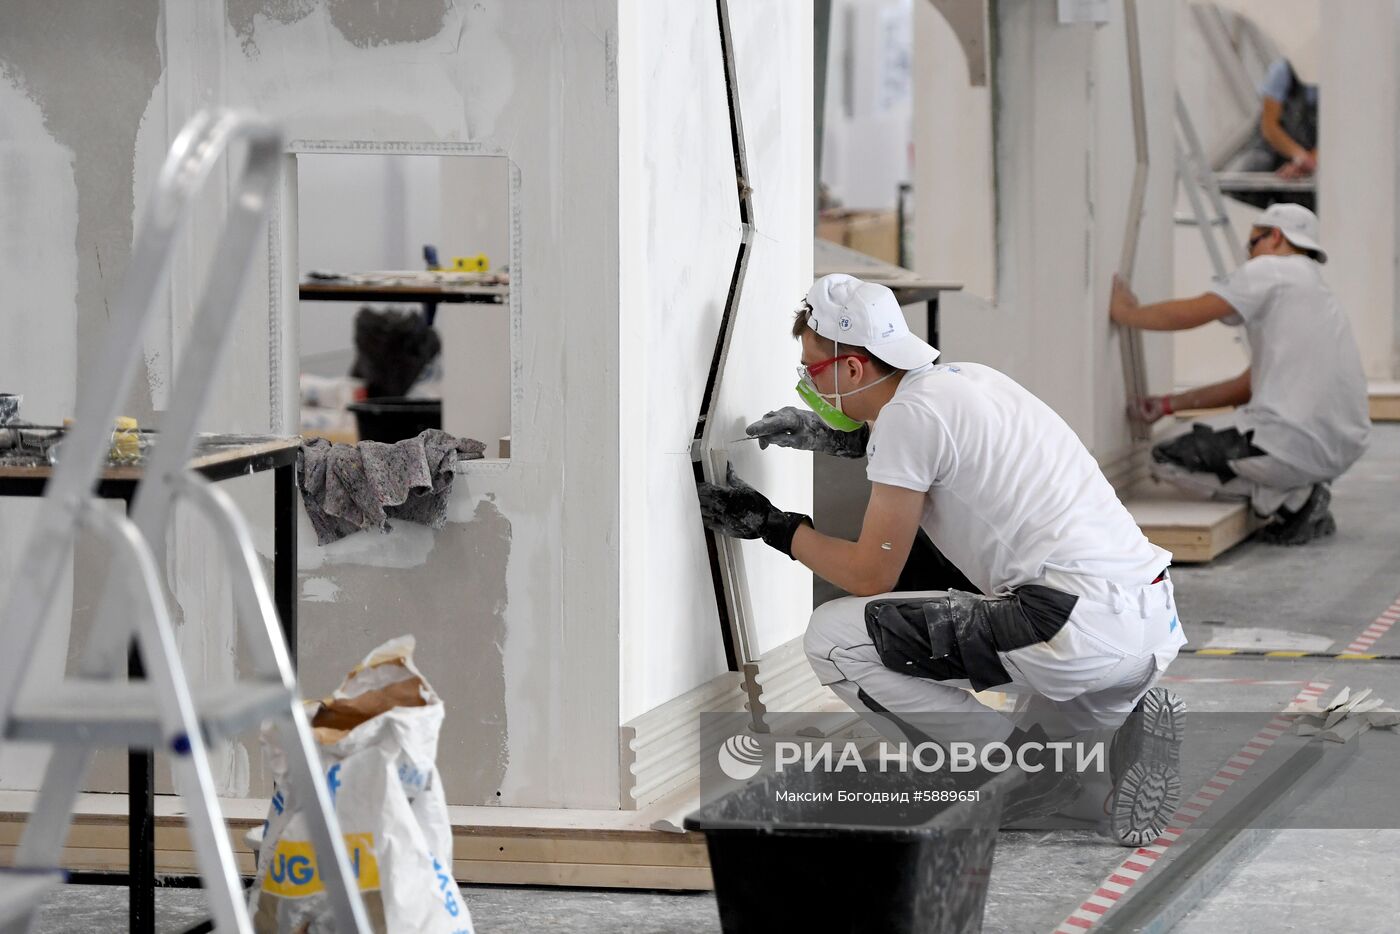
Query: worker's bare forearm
x=1162 y=316
x=1284 y=144
x=844 y=563
x=1271 y=128
x=1228 y=392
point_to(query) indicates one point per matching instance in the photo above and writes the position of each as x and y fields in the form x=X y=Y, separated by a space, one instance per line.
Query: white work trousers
x=1113 y=647
x=1265 y=482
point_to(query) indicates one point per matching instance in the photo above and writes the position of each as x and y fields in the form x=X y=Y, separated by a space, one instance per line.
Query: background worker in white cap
x=1072 y=604
x=1302 y=416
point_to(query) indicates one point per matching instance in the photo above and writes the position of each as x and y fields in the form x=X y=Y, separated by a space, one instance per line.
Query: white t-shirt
x=1011 y=490
x=1308 y=404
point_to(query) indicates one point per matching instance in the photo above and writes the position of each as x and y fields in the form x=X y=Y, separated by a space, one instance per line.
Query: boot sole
x=1147 y=794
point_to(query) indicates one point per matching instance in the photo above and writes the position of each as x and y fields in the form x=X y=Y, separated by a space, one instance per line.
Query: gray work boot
x=1312 y=520
x=1041 y=794
x=1145 y=764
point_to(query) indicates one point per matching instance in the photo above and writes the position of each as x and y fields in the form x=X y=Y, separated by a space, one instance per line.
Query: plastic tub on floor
x=898 y=868
x=394 y=418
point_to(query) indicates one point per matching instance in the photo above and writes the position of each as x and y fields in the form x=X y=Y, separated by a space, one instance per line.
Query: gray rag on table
x=349 y=487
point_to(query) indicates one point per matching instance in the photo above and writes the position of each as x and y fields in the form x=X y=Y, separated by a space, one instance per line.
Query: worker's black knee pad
x=957 y=635
x=1205 y=450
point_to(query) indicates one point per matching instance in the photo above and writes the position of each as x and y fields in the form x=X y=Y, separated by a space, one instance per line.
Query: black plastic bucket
x=394 y=418
x=808 y=865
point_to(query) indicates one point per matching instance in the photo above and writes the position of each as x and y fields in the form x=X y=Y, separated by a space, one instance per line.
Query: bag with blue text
x=378 y=736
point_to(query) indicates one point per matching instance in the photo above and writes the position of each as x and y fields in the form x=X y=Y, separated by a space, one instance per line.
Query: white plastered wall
x=38 y=337
x=1039 y=269
x=954 y=204
x=515 y=603
x=1358 y=157
x=582 y=558
x=680 y=230
x=866 y=122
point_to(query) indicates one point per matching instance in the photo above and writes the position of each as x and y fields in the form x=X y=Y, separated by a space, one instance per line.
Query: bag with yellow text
x=378 y=736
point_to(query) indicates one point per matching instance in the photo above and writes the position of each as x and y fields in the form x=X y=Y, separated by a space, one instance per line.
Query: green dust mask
x=829 y=413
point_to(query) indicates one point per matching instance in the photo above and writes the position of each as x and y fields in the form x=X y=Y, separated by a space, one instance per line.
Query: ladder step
x=1189 y=220
x=126 y=713
x=22 y=890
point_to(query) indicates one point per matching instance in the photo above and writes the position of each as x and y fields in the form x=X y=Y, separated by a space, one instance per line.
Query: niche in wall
x=423 y=240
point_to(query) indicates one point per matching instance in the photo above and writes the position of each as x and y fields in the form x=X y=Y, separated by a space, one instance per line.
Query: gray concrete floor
x=1302 y=880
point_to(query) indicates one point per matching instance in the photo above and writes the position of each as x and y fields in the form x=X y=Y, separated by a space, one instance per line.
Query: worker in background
x=1041 y=583
x=1287 y=139
x=1301 y=416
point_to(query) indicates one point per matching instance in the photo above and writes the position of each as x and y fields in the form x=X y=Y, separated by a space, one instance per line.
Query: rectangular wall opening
x=403 y=263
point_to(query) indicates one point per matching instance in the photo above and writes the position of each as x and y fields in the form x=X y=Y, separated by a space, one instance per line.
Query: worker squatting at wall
x=1302 y=416
x=993 y=552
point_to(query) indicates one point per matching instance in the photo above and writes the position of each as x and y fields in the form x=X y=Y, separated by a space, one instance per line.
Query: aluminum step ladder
x=97 y=707
x=1199 y=182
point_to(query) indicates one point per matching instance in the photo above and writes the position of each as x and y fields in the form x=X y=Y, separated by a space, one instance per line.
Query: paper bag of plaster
x=378 y=736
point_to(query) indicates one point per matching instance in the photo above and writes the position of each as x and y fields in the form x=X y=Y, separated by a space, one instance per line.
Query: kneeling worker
x=1039 y=579
x=1303 y=417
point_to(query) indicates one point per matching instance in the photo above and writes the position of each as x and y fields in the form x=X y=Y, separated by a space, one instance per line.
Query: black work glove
x=791 y=427
x=740 y=511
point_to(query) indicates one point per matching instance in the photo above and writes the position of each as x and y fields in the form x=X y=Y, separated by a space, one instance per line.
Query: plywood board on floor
x=1193 y=530
x=1385 y=401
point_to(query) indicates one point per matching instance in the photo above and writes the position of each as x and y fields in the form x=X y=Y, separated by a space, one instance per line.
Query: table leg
x=284 y=553
x=141 y=824
x=933 y=322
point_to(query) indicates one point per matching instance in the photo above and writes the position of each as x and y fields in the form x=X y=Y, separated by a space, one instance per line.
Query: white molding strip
x=660 y=750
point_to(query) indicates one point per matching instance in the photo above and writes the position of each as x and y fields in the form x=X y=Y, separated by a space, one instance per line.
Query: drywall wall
x=1062 y=175
x=868 y=113
x=570 y=589
x=954 y=206
x=73 y=89
x=474 y=201
x=679 y=234
x=773 y=42
x=38 y=333
x=1357 y=158
x=534 y=83
x=516 y=635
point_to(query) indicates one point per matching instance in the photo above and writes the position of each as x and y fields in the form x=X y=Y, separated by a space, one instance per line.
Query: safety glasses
x=812 y=369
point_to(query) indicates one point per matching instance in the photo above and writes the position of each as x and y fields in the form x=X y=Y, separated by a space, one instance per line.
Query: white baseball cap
x=1297 y=224
x=849 y=311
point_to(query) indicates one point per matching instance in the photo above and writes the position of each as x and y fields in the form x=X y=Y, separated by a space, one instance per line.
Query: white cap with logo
x=1297 y=224
x=849 y=311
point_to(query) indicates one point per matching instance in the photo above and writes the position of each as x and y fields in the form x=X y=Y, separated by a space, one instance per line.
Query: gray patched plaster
x=91 y=71
x=454 y=604
x=243 y=13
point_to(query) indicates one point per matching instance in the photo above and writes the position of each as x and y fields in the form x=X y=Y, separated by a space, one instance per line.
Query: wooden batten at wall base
x=491 y=845
x=1194 y=530
x=1385 y=401
x=97 y=840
